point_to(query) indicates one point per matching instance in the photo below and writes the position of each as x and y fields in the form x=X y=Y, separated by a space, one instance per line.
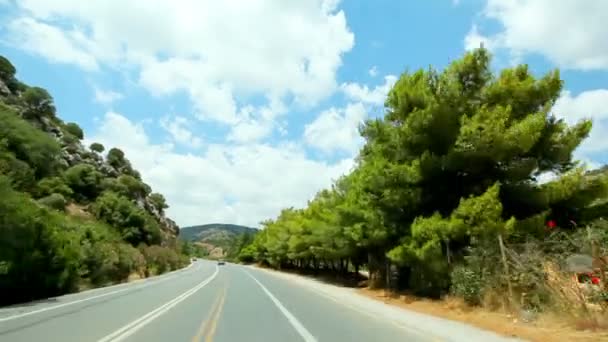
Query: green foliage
x=451 y=165
x=127 y=186
x=7 y=70
x=158 y=201
x=97 y=147
x=75 y=130
x=162 y=259
x=467 y=284
x=84 y=180
x=54 y=201
x=38 y=253
x=45 y=251
x=116 y=158
x=134 y=224
x=38 y=102
x=53 y=185
x=28 y=144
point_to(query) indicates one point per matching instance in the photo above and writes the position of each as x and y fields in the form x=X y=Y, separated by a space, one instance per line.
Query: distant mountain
x=217 y=238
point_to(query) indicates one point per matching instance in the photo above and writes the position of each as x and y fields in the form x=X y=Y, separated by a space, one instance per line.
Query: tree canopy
x=455 y=160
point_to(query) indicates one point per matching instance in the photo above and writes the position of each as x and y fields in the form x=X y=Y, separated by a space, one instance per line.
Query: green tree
x=97 y=147
x=116 y=158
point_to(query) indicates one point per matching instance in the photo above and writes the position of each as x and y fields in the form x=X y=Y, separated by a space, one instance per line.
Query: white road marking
x=306 y=335
x=137 y=324
x=132 y=287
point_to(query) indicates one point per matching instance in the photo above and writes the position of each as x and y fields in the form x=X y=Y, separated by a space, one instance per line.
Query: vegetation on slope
x=44 y=169
x=445 y=194
x=219 y=240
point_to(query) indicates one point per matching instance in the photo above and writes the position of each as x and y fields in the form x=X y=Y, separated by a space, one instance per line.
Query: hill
x=71 y=216
x=220 y=240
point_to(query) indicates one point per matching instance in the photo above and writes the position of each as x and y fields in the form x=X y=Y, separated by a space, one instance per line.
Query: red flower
x=551 y=224
x=595 y=280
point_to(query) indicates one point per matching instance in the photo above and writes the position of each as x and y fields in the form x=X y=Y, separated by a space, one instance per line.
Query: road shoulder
x=423 y=323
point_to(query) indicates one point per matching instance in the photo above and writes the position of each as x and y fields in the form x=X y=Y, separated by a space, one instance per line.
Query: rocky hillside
x=71 y=216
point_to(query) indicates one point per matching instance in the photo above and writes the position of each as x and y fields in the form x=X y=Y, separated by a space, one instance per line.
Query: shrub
x=39 y=103
x=28 y=144
x=7 y=70
x=39 y=253
x=161 y=259
x=53 y=185
x=68 y=139
x=467 y=284
x=134 y=224
x=54 y=201
x=74 y=130
x=84 y=180
x=158 y=201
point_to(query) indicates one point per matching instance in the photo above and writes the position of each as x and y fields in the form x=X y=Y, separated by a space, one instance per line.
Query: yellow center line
x=203 y=326
x=215 y=319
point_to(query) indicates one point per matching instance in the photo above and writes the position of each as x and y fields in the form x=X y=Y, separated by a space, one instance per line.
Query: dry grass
x=78 y=211
x=547 y=327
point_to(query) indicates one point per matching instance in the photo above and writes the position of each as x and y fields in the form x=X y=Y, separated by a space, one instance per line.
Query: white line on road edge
x=137 y=324
x=411 y=329
x=132 y=287
x=306 y=335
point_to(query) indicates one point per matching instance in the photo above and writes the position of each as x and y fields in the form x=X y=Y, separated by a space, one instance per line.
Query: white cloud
x=376 y=96
x=570 y=33
x=50 y=42
x=591 y=104
x=258 y=179
x=215 y=51
x=177 y=127
x=107 y=96
x=337 y=129
x=373 y=71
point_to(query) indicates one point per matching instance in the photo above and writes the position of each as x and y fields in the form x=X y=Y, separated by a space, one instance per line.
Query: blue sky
x=236 y=111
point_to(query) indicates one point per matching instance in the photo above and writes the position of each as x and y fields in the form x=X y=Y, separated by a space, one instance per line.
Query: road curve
x=203 y=302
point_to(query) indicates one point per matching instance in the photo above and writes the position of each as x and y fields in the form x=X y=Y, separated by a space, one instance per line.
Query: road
x=203 y=302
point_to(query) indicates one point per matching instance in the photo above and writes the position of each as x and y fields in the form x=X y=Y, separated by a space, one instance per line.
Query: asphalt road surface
x=203 y=302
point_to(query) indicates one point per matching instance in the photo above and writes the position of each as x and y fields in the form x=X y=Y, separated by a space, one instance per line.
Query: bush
x=158 y=201
x=21 y=175
x=162 y=259
x=53 y=185
x=28 y=144
x=41 y=256
x=39 y=103
x=74 y=130
x=69 y=139
x=134 y=224
x=467 y=284
x=84 y=180
x=116 y=158
x=7 y=70
x=54 y=201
